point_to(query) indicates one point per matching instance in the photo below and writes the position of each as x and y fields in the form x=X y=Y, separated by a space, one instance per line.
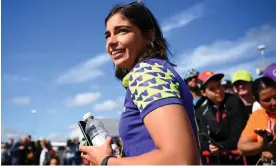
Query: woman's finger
x=108 y=140
x=82 y=148
x=107 y=143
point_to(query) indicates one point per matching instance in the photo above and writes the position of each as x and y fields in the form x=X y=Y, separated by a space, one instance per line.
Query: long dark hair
x=261 y=84
x=140 y=16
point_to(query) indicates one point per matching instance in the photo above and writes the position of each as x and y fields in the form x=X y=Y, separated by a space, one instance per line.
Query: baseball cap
x=206 y=76
x=270 y=71
x=241 y=75
x=190 y=73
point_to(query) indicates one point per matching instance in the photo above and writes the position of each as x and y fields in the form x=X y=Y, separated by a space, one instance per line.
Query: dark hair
x=261 y=84
x=140 y=16
x=54 y=157
x=69 y=142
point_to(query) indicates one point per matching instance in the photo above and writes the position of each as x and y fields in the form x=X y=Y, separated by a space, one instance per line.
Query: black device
x=211 y=141
x=82 y=125
x=264 y=134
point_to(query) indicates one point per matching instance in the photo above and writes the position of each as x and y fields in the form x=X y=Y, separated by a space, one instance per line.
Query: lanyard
x=218 y=116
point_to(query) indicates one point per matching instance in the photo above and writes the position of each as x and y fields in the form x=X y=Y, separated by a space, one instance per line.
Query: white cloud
x=85 y=71
x=75 y=131
x=72 y=126
x=107 y=105
x=226 y=52
x=21 y=100
x=18 y=78
x=56 y=136
x=183 y=18
x=33 y=111
x=83 y=99
x=249 y=66
x=8 y=132
x=53 y=135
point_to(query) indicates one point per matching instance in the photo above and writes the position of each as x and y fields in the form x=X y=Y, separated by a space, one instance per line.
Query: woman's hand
x=267 y=156
x=94 y=154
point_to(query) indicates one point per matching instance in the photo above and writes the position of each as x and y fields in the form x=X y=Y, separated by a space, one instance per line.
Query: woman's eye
x=122 y=31
x=106 y=36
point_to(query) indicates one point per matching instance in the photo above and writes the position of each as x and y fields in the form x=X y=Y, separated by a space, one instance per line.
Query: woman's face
x=124 y=41
x=268 y=99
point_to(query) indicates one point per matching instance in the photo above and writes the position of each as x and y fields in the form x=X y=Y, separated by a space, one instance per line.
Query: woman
x=264 y=90
x=157 y=125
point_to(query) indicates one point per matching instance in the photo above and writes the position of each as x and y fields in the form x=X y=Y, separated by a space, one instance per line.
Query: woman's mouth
x=117 y=53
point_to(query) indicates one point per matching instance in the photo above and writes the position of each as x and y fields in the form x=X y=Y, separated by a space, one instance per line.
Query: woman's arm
x=170 y=128
x=249 y=147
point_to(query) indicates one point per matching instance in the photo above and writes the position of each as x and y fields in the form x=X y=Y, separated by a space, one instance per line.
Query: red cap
x=207 y=75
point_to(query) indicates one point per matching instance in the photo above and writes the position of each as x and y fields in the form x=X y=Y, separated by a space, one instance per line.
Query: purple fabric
x=133 y=132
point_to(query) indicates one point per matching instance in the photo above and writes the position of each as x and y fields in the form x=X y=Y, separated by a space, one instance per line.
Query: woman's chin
x=123 y=63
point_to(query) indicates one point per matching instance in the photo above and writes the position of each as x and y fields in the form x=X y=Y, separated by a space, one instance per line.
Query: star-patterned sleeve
x=152 y=86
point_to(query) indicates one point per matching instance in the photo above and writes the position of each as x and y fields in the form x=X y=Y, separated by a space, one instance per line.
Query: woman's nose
x=111 y=40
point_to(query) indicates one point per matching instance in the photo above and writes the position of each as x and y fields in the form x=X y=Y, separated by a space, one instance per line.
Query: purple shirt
x=151 y=84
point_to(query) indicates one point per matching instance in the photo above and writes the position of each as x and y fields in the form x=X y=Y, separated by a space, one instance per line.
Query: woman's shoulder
x=258 y=114
x=154 y=67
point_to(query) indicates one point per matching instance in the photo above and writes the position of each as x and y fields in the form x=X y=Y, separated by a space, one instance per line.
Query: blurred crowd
x=228 y=113
x=25 y=151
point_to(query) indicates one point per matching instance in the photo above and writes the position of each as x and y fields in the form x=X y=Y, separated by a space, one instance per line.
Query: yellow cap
x=241 y=75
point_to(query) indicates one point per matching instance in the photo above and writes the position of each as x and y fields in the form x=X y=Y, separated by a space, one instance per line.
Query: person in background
x=11 y=142
x=10 y=145
x=5 y=157
x=77 y=153
x=241 y=81
x=270 y=71
x=51 y=150
x=227 y=85
x=68 y=154
x=30 y=150
x=38 y=150
x=18 y=153
x=54 y=161
x=158 y=123
x=264 y=90
x=220 y=118
x=44 y=155
x=191 y=79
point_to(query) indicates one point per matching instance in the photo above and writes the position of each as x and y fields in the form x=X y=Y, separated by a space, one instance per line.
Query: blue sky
x=54 y=61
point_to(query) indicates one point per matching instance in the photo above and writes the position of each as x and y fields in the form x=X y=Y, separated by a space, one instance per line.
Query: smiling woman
x=158 y=120
x=250 y=142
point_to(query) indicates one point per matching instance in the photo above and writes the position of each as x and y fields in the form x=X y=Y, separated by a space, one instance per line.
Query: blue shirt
x=196 y=100
x=151 y=84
